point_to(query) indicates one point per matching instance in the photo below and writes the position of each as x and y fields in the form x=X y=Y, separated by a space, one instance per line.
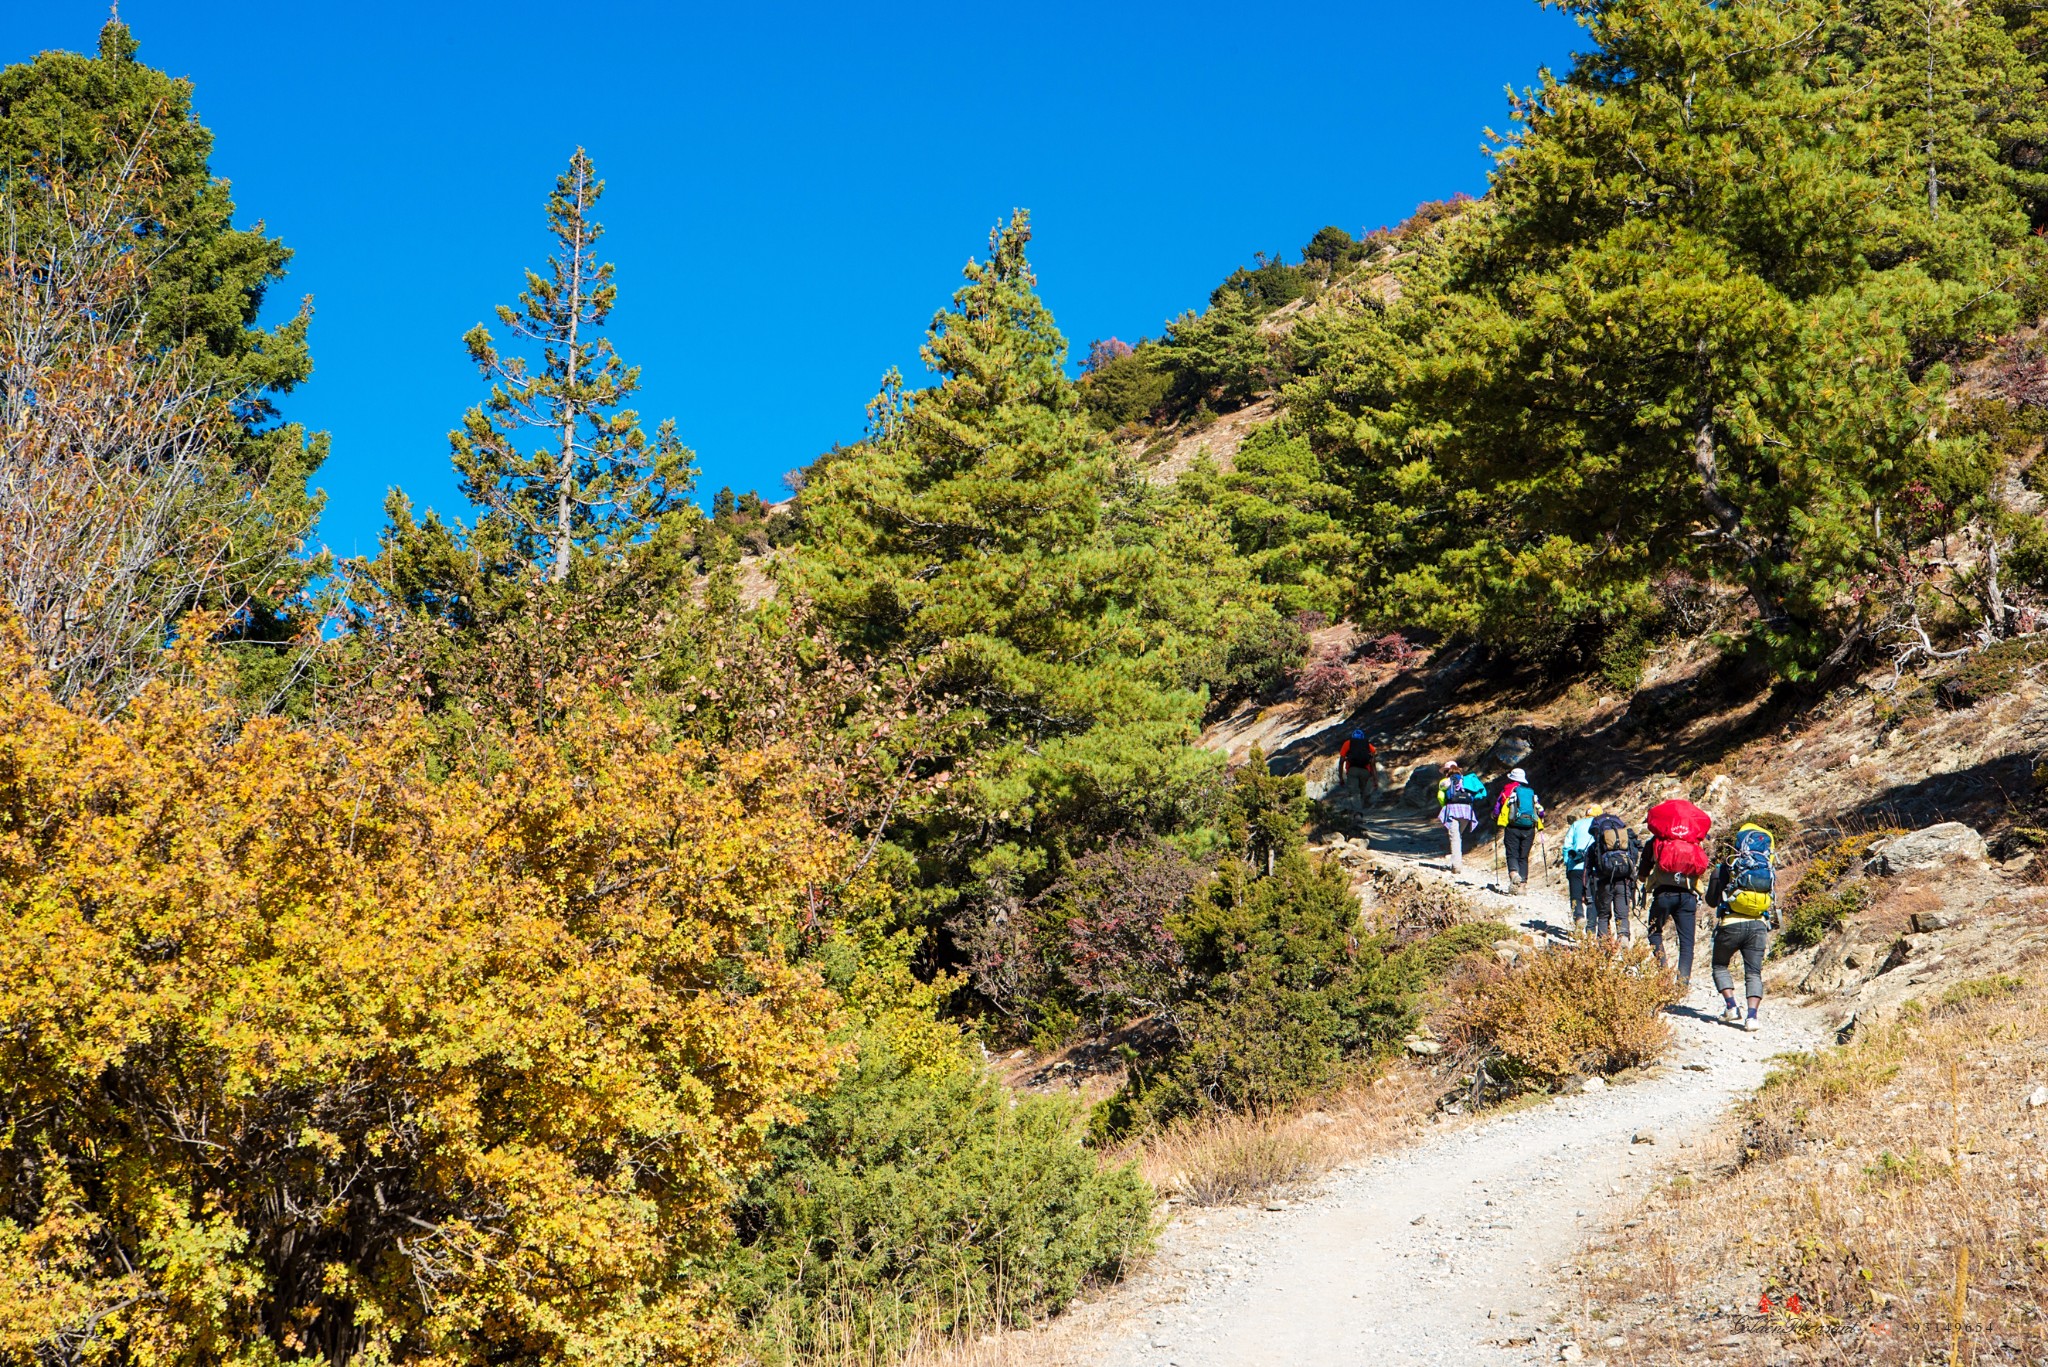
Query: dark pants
x=1582 y=905
x=1613 y=898
x=1749 y=938
x=1680 y=907
x=1517 y=841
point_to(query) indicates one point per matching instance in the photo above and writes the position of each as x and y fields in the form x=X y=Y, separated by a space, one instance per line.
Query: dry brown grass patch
x=1224 y=1159
x=1897 y=905
x=1865 y=1179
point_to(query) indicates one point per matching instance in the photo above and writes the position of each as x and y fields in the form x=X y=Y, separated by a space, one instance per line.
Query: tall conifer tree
x=594 y=483
x=77 y=120
x=1076 y=610
x=1700 y=323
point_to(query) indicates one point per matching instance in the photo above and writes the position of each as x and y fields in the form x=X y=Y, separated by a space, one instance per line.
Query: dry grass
x=1226 y=1159
x=1408 y=907
x=1903 y=900
x=1899 y=1186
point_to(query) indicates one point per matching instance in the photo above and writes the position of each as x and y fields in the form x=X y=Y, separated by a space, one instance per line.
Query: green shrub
x=1263 y=649
x=1991 y=672
x=1287 y=993
x=1624 y=649
x=1127 y=389
x=1827 y=867
x=1434 y=956
x=1972 y=992
x=1811 y=919
x=1816 y=906
x=920 y=1201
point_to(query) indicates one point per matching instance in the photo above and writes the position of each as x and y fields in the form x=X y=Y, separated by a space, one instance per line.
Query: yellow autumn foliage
x=309 y=1056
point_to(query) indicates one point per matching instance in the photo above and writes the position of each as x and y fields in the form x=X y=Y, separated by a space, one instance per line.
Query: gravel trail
x=1452 y=1250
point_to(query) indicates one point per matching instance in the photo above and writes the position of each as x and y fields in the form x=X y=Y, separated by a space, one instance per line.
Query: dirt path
x=1456 y=1249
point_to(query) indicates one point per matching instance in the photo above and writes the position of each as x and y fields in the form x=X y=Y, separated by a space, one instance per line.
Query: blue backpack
x=1473 y=788
x=1749 y=869
x=1523 y=810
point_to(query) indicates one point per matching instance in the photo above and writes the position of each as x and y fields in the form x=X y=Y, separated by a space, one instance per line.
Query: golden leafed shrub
x=305 y=1055
x=1579 y=1008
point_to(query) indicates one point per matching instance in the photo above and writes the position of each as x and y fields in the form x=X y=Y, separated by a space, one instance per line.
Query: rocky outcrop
x=1420 y=789
x=1933 y=847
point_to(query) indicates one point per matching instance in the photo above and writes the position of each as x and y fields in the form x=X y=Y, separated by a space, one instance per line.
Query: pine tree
x=597 y=484
x=1698 y=325
x=1077 y=611
x=85 y=116
x=1959 y=109
x=110 y=120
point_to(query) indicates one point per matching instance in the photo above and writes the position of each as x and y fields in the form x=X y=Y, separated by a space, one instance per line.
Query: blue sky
x=792 y=188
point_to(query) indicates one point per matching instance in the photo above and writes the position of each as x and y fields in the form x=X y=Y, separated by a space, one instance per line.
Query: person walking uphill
x=1611 y=860
x=1457 y=794
x=1519 y=816
x=1578 y=838
x=1358 y=758
x=1744 y=890
x=1674 y=902
x=1672 y=864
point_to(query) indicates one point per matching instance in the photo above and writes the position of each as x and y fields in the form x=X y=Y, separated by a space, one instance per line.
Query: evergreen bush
x=918 y=1200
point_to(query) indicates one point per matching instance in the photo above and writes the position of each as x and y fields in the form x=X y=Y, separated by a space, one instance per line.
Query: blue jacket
x=1578 y=838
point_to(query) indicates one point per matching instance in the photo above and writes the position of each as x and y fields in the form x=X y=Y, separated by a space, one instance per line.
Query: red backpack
x=1679 y=826
x=1682 y=857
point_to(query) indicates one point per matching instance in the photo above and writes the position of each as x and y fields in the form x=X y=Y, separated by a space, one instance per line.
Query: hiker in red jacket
x=1359 y=758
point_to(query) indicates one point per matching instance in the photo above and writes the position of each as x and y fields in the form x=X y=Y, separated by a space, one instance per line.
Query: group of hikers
x=1606 y=864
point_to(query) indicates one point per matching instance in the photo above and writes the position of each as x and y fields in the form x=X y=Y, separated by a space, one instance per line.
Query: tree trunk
x=1727 y=516
x=1707 y=465
x=1933 y=176
x=565 y=473
x=1999 y=616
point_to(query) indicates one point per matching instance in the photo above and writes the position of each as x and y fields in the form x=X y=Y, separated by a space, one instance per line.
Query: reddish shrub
x=1103 y=927
x=1102 y=351
x=1325 y=679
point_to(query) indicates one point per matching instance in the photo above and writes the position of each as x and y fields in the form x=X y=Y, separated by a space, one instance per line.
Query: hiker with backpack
x=1519 y=816
x=1672 y=864
x=1612 y=857
x=1670 y=871
x=1458 y=795
x=1744 y=890
x=1578 y=839
x=1359 y=758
